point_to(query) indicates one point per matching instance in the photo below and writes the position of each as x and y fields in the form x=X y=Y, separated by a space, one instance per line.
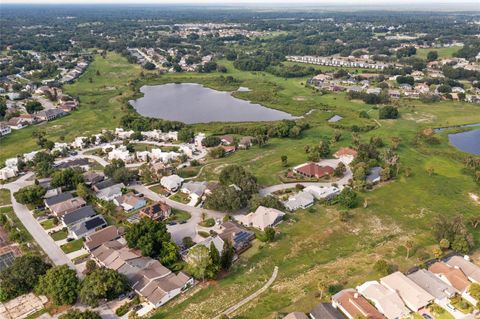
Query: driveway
x=56 y=255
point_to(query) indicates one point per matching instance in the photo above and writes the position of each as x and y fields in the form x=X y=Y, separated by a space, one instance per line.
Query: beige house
x=262 y=218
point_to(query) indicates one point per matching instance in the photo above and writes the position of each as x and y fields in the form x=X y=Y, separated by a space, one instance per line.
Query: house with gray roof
x=432 y=284
x=78 y=215
x=300 y=200
x=194 y=189
x=111 y=192
x=87 y=227
x=374 y=175
x=325 y=311
x=54 y=200
x=470 y=270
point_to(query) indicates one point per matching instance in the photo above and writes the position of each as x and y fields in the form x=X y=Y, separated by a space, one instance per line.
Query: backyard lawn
x=180 y=197
x=72 y=246
x=59 y=235
x=179 y=215
x=49 y=223
x=4 y=197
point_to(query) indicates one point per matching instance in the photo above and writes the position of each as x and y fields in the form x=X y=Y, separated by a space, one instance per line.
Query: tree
x=324 y=149
x=388 y=112
x=149 y=66
x=347 y=198
x=225 y=198
x=90 y=266
x=216 y=152
x=474 y=291
x=237 y=175
x=211 y=141
x=432 y=56
x=186 y=134
x=33 y=106
x=153 y=240
x=228 y=253
x=102 y=283
x=60 y=284
x=266 y=201
x=460 y=244
x=83 y=191
x=67 y=178
x=269 y=234
x=22 y=276
x=215 y=257
x=444 y=244
x=284 y=159
x=382 y=267
x=199 y=262
x=30 y=195
x=187 y=242
x=77 y=314
x=437 y=252
x=340 y=170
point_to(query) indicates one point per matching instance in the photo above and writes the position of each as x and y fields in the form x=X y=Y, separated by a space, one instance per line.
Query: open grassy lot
x=72 y=246
x=179 y=215
x=59 y=235
x=443 y=53
x=101 y=106
x=5 y=197
x=49 y=223
x=180 y=197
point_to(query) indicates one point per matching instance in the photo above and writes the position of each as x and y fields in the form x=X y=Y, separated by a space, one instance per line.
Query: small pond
x=193 y=103
x=468 y=142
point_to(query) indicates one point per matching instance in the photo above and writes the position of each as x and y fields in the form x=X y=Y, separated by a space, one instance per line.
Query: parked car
x=172 y=223
x=131 y=295
x=183 y=222
x=70 y=239
x=426 y=316
x=122 y=296
x=137 y=307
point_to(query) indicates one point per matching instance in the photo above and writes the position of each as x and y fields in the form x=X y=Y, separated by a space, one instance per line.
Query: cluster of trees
x=60 y=283
x=258 y=61
x=370 y=98
x=460 y=73
x=388 y=112
x=153 y=240
x=118 y=172
x=33 y=106
x=133 y=121
x=42 y=164
x=203 y=262
x=317 y=152
x=68 y=178
x=452 y=233
x=30 y=195
x=237 y=187
x=293 y=71
x=284 y=128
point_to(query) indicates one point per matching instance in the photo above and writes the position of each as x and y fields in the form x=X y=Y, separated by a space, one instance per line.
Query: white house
x=165 y=157
x=120 y=153
x=262 y=218
x=11 y=162
x=301 y=200
x=110 y=193
x=78 y=142
x=8 y=172
x=122 y=134
x=198 y=140
x=322 y=192
x=30 y=156
x=172 y=182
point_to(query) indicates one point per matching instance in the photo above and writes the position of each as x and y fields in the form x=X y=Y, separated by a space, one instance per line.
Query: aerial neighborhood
x=234 y=160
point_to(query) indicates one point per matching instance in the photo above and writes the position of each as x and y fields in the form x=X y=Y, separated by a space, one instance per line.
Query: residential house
x=239 y=237
x=412 y=295
x=322 y=192
x=470 y=270
x=83 y=163
x=229 y=148
x=111 y=192
x=375 y=91
x=8 y=172
x=5 y=129
x=156 y=211
x=130 y=202
x=194 y=189
x=148 y=277
x=79 y=142
x=246 y=142
x=262 y=218
x=325 y=311
x=314 y=170
x=374 y=175
x=50 y=114
x=121 y=153
x=29 y=156
x=394 y=94
x=346 y=155
x=172 y=182
x=78 y=215
x=49 y=202
x=353 y=305
x=216 y=240
x=300 y=200
x=454 y=277
x=87 y=226
x=433 y=285
x=91 y=178
x=17 y=123
x=103 y=184
x=385 y=300
x=98 y=238
x=52 y=192
x=67 y=206
x=227 y=140
x=211 y=186
x=165 y=157
x=122 y=134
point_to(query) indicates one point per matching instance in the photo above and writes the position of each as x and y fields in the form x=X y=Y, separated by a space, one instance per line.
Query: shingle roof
x=469 y=269
x=356 y=305
x=85 y=226
x=58 y=199
x=325 y=311
x=102 y=236
x=387 y=301
x=453 y=275
x=78 y=215
x=432 y=284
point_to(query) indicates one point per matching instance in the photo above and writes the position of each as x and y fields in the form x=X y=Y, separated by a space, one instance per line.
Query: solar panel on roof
x=94 y=222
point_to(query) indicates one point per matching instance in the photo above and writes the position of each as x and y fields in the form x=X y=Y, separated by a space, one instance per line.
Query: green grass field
x=5 y=197
x=101 y=106
x=59 y=235
x=443 y=53
x=72 y=246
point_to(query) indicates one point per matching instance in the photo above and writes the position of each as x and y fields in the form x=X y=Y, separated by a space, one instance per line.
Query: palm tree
x=409 y=245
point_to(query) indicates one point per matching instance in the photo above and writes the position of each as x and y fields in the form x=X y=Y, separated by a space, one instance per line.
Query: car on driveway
x=426 y=316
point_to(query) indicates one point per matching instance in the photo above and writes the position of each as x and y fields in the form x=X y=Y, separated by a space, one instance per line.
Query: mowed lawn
x=443 y=53
x=101 y=106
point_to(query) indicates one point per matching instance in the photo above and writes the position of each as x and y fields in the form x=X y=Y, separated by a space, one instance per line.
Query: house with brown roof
x=353 y=305
x=314 y=170
x=157 y=211
x=155 y=283
x=66 y=206
x=130 y=202
x=346 y=154
x=470 y=270
x=245 y=142
x=229 y=148
x=227 y=139
x=102 y=236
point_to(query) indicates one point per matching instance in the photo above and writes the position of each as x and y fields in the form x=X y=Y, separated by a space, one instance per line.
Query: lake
x=193 y=103
x=468 y=142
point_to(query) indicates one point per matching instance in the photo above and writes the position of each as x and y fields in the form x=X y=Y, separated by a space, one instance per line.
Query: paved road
x=56 y=255
x=252 y=296
x=340 y=183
